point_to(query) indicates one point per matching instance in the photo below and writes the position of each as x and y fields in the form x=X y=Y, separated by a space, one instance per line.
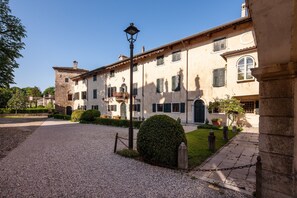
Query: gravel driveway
x=64 y=159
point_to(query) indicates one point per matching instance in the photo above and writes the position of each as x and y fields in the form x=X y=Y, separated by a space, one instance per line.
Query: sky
x=91 y=31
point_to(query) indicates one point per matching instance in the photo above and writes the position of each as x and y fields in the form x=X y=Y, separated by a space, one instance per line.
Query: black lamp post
x=131 y=33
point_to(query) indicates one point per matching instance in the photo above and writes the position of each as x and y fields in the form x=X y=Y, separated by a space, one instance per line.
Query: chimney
x=122 y=57
x=243 y=10
x=143 y=49
x=75 y=63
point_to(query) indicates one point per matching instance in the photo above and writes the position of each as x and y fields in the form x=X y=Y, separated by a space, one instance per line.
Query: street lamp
x=131 y=33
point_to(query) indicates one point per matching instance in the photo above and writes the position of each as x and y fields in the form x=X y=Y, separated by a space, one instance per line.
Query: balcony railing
x=121 y=96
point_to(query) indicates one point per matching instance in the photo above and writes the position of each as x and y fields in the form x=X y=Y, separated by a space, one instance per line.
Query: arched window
x=244 y=66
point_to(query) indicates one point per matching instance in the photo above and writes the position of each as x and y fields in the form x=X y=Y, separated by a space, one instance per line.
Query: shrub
x=208 y=126
x=158 y=140
x=128 y=153
x=90 y=115
x=76 y=115
x=117 y=123
x=62 y=116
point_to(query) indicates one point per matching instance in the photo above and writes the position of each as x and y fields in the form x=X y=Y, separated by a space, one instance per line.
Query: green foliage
x=198 y=145
x=128 y=153
x=49 y=105
x=207 y=126
x=158 y=140
x=5 y=95
x=49 y=91
x=17 y=101
x=11 y=34
x=178 y=120
x=90 y=115
x=61 y=116
x=76 y=115
x=117 y=123
x=214 y=107
x=232 y=107
x=26 y=111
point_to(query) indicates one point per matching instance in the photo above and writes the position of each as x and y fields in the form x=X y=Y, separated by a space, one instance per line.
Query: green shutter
x=167 y=107
x=154 y=107
x=173 y=84
x=182 y=107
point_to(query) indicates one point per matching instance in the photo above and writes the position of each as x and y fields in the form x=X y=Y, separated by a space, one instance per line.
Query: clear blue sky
x=91 y=31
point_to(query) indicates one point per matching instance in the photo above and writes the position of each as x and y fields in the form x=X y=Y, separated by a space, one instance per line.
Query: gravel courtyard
x=64 y=159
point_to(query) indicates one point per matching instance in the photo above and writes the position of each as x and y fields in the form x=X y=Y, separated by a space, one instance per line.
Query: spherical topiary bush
x=76 y=115
x=90 y=115
x=158 y=140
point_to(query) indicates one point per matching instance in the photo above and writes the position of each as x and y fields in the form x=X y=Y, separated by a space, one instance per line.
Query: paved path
x=63 y=159
x=242 y=150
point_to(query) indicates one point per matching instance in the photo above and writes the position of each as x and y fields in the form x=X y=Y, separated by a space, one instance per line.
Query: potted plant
x=216 y=121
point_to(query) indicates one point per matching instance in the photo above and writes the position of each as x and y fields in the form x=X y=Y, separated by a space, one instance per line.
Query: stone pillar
x=182 y=156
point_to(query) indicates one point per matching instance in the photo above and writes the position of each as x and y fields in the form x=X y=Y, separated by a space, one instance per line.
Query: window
x=176 y=83
x=219 y=77
x=84 y=107
x=83 y=95
x=66 y=80
x=111 y=73
x=95 y=107
x=160 y=60
x=76 y=82
x=111 y=91
x=154 y=107
x=135 y=90
x=69 y=97
x=175 y=107
x=112 y=108
x=159 y=107
x=167 y=107
x=176 y=56
x=136 y=107
x=160 y=84
x=182 y=107
x=135 y=67
x=76 y=96
x=248 y=106
x=219 y=44
x=244 y=66
x=94 y=77
x=94 y=93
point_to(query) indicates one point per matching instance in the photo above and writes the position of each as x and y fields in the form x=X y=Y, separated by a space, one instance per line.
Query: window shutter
x=161 y=85
x=167 y=107
x=221 y=77
x=182 y=107
x=158 y=86
x=154 y=107
x=173 y=85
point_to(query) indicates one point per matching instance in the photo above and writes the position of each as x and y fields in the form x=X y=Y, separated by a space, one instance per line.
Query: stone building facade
x=64 y=87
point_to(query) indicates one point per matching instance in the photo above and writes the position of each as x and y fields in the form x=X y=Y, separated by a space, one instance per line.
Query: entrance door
x=123 y=111
x=68 y=110
x=199 y=111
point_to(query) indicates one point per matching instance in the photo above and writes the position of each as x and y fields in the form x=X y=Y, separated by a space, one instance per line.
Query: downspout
x=142 y=94
x=187 y=82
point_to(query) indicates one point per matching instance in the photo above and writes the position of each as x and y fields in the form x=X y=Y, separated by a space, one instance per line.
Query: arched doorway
x=199 y=111
x=68 y=110
x=123 y=111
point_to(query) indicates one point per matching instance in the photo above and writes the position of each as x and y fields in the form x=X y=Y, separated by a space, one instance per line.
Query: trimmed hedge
x=61 y=116
x=76 y=115
x=208 y=126
x=158 y=140
x=117 y=123
x=90 y=115
x=28 y=110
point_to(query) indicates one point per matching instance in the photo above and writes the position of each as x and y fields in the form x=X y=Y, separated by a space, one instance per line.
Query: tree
x=32 y=94
x=49 y=91
x=18 y=101
x=5 y=95
x=11 y=34
x=232 y=107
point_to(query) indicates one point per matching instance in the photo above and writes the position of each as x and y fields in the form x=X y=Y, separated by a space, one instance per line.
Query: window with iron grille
x=83 y=95
x=175 y=107
x=69 y=97
x=160 y=60
x=219 y=44
x=160 y=84
x=94 y=93
x=176 y=56
x=175 y=83
x=248 y=106
x=219 y=77
x=160 y=107
x=167 y=107
x=136 y=107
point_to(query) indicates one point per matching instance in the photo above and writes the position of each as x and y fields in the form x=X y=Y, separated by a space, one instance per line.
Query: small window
x=182 y=107
x=176 y=56
x=94 y=93
x=69 y=97
x=176 y=83
x=160 y=107
x=219 y=77
x=244 y=66
x=160 y=60
x=94 y=77
x=111 y=91
x=160 y=85
x=248 y=106
x=136 y=107
x=83 y=95
x=95 y=107
x=135 y=89
x=154 y=107
x=66 y=80
x=135 y=67
x=76 y=82
x=175 y=107
x=111 y=73
x=167 y=107
x=84 y=107
x=219 y=44
x=112 y=108
x=76 y=96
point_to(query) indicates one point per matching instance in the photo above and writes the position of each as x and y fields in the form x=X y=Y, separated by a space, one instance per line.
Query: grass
x=128 y=153
x=198 y=145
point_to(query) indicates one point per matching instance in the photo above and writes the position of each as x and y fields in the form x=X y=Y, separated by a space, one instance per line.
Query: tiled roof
x=239 y=51
x=70 y=69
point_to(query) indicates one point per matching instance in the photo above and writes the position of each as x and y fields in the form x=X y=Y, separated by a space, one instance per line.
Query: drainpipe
x=187 y=82
x=142 y=93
